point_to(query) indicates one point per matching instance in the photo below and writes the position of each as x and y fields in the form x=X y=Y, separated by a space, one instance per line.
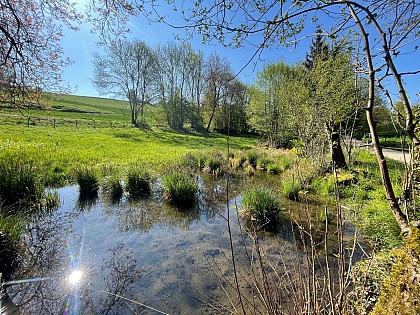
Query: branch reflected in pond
x=47 y=258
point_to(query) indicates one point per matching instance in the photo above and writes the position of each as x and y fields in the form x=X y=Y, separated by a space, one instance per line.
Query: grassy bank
x=61 y=150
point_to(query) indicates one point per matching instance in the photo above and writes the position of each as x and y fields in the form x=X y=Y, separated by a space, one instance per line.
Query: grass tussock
x=86 y=178
x=261 y=206
x=138 y=181
x=291 y=187
x=179 y=188
x=20 y=184
x=113 y=188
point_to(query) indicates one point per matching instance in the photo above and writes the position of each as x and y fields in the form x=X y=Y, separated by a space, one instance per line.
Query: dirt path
x=393 y=154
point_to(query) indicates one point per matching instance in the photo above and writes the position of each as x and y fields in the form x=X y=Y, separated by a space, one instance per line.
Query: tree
x=218 y=77
x=30 y=53
x=230 y=115
x=393 y=24
x=127 y=71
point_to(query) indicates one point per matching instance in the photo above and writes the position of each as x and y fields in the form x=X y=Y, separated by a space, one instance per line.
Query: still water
x=140 y=256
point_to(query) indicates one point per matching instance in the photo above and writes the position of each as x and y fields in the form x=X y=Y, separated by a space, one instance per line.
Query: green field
x=61 y=149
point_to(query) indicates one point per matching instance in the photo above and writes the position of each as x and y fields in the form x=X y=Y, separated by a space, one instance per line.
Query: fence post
x=94 y=124
x=76 y=123
x=54 y=123
x=29 y=118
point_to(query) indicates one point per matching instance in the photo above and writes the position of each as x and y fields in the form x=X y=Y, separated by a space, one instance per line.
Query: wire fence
x=56 y=122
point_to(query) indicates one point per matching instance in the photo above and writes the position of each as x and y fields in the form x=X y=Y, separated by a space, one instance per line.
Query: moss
x=401 y=289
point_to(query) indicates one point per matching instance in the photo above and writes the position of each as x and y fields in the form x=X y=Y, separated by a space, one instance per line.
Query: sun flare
x=75 y=277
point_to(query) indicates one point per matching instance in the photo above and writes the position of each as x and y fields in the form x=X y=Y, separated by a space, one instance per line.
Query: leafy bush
x=179 y=188
x=138 y=181
x=20 y=184
x=262 y=206
x=87 y=179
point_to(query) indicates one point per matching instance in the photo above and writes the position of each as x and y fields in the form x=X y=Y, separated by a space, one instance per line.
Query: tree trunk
x=337 y=155
x=211 y=118
x=400 y=217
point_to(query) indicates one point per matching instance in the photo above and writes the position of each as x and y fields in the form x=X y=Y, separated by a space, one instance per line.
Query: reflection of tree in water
x=144 y=214
x=46 y=256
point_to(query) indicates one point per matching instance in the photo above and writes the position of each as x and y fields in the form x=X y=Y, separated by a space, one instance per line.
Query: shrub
x=179 y=188
x=138 y=181
x=261 y=206
x=20 y=184
x=87 y=180
x=291 y=188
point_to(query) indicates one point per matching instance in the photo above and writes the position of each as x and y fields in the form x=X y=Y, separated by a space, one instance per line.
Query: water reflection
x=144 y=250
x=87 y=200
x=50 y=251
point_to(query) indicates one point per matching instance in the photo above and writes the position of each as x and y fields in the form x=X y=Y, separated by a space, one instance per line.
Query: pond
x=137 y=255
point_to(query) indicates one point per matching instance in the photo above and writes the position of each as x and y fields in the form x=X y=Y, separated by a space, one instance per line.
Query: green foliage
x=12 y=226
x=401 y=290
x=51 y=201
x=138 y=181
x=261 y=206
x=87 y=179
x=323 y=185
x=20 y=184
x=263 y=161
x=252 y=157
x=214 y=163
x=272 y=168
x=179 y=188
x=291 y=187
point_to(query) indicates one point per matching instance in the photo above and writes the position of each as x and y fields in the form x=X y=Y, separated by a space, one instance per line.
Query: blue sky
x=79 y=46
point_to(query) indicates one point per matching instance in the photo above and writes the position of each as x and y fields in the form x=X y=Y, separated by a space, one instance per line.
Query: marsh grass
x=252 y=157
x=261 y=206
x=291 y=187
x=179 y=188
x=214 y=163
x=12 y=226
x=113 y=188
x=86 y=178
x=138 y=181
x=51 y=201
x=20 y=183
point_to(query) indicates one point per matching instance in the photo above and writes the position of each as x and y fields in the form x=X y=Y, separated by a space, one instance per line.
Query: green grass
x=112 y=187
x=180 y=189
x=138 y=181
x=261 y=206
x=86 y=179
x=19 y=182
x=61 y=150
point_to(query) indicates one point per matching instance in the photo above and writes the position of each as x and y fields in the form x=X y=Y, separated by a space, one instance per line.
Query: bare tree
x=127 y=71
x=30 y=53
x=219 y=75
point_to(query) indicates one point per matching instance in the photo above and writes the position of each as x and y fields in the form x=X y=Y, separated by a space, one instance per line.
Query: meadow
x=61 y=149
